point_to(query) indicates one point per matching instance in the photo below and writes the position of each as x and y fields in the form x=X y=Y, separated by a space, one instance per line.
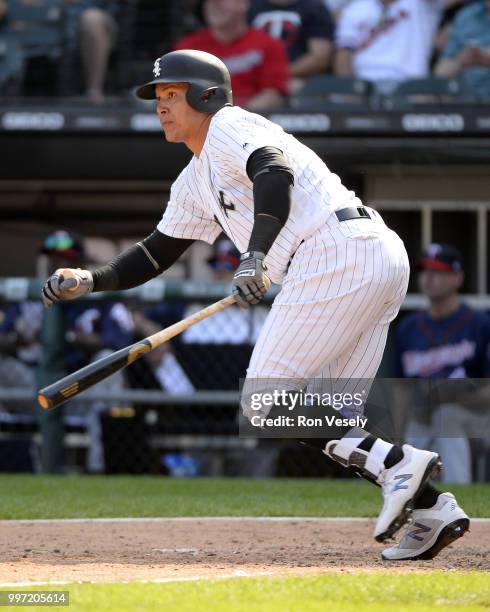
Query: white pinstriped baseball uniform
x=342 y=282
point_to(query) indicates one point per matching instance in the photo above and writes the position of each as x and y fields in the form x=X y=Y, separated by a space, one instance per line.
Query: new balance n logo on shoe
x=402 y=479
x=420 y=529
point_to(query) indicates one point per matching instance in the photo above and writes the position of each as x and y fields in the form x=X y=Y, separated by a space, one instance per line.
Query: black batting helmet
x=208 y=78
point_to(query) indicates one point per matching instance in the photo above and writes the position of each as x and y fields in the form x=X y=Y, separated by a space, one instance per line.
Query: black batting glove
x=250 y=282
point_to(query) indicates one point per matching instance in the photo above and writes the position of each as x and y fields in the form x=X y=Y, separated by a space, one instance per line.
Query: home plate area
x=186 y=549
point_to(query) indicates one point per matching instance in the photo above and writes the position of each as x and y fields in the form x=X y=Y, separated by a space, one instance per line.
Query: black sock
x=427 y=497
x=367 y=443
x=394 y=456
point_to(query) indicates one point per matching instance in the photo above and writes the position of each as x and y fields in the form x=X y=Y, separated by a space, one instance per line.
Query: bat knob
x=70 y=281
x=44 y=402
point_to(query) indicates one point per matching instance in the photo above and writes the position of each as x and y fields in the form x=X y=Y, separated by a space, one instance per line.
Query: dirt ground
x=109 y=551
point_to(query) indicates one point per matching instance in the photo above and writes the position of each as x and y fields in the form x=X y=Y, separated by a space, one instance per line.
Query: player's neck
x=444 y=308
x=230 y=33
x=196 y=142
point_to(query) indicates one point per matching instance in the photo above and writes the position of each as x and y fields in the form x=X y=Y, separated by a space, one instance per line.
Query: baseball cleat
x=400 y=485
x=430 y=531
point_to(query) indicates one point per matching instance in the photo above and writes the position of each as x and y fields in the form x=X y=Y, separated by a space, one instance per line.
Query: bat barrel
x=61 y=391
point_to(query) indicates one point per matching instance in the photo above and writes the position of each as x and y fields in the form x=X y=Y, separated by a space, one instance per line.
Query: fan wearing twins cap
x=447 y=340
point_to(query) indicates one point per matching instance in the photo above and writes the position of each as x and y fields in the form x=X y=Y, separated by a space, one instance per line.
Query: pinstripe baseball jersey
x=213 y=193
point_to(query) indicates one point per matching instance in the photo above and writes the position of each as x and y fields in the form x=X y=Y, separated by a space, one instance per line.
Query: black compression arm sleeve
x=272 y=180
x=140 y=263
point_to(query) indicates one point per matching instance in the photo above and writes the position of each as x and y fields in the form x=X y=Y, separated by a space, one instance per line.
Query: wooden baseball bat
x=59 y=392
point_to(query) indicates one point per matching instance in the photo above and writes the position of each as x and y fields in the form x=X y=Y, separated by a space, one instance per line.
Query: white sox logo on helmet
x=156 y=68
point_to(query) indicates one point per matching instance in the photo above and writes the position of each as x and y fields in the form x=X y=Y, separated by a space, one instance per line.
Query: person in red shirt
x=257 y=63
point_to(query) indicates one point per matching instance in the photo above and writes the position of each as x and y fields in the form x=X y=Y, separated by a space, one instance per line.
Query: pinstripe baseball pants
x=344 y=286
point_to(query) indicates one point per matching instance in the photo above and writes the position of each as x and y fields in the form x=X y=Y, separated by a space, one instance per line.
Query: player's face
x=438 y=286
x=179 y=121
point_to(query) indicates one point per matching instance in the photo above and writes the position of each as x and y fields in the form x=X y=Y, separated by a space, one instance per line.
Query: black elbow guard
x=266 y=160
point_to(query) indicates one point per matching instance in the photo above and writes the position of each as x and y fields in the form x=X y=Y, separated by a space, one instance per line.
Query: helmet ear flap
x=207 y=100
x=208 y=94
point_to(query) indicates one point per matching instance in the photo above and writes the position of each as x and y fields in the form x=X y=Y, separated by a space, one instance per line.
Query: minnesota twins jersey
x=213 y=193
x=457 y=346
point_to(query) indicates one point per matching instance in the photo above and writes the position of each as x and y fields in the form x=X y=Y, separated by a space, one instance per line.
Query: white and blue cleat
x=430 y=530
x=401 y=484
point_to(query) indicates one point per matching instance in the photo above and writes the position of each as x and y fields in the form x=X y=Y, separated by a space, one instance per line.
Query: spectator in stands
x=167 y=370
x=451 y=7
x=257 y=63
x=467 y=53
x=306 y=28
x=335 y=7
x=231 y=326
x=32 y=40
x=226 y=339
x=20 y=349
x=191 y=17
x=386 y=41
x=449 y=340
x=92 y=26
x=93 y=330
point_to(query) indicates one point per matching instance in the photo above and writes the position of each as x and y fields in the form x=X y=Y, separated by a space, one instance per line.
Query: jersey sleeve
x=232 y=142
x=348 y=26
x=184 y=218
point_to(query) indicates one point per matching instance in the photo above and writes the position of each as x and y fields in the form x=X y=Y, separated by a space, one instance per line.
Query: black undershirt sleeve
x=272 y=179
x=140 y=263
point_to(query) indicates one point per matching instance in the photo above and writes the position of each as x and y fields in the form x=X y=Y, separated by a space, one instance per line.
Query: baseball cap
x=66 y=244
x=225 y=256
x=442 y=258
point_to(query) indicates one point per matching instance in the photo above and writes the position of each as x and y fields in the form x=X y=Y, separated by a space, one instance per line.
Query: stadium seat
x=36 y=28
x=327 y=92
x=431 y=86
x=430 y=91
x=45 y=11
x=11 y=66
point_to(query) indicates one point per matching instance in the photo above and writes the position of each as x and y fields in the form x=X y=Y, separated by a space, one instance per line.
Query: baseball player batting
x=343 y=272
